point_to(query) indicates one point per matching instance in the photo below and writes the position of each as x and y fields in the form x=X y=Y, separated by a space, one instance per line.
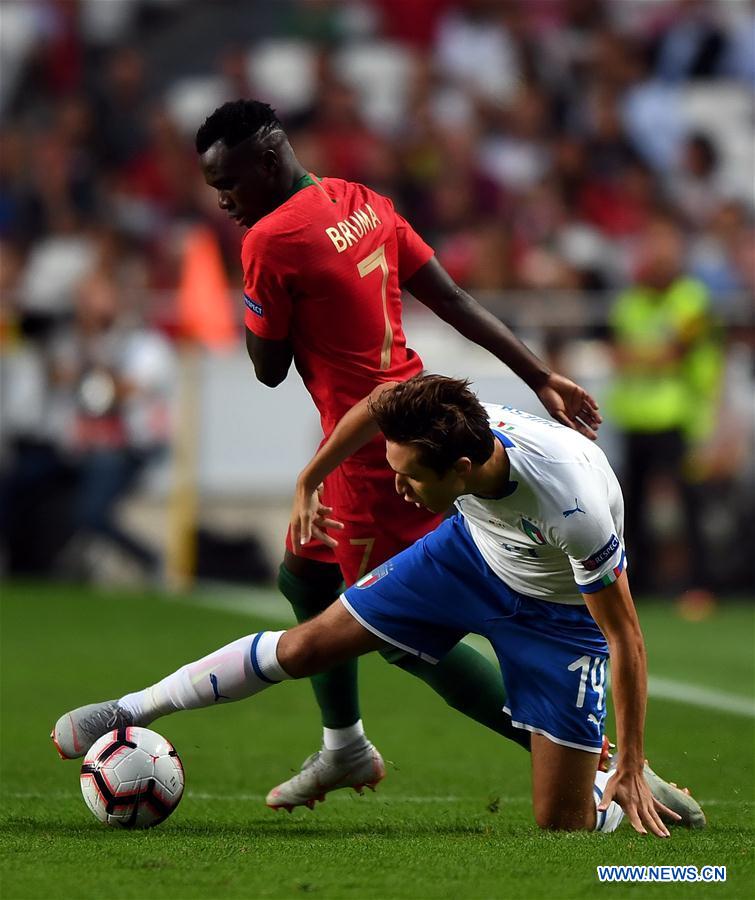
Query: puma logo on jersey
x=577 y=508
x=352 y=229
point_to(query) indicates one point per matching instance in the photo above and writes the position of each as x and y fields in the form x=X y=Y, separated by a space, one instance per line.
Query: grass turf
x=452 y=819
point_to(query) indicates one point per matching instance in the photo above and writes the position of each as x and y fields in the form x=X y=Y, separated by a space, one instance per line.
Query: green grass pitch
x=451 y=820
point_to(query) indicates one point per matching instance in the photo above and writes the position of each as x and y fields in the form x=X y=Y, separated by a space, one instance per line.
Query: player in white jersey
x=533 y=561
x=559 y=533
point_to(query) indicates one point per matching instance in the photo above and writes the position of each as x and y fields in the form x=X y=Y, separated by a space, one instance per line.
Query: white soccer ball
x=132 y=778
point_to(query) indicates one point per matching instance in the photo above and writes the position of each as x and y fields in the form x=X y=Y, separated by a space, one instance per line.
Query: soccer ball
x=132 y=778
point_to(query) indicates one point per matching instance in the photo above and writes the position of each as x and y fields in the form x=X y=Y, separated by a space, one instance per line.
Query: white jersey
x=558 y=532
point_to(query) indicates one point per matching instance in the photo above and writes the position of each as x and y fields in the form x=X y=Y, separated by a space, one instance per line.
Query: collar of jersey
x=512 y=485
x=305 y=181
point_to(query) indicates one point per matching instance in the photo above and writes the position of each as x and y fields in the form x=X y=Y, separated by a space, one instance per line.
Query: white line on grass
x=694 y=695
x=275 y=610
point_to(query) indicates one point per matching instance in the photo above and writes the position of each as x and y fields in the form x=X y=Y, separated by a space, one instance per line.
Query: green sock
x=336 y=690
x=468 y=682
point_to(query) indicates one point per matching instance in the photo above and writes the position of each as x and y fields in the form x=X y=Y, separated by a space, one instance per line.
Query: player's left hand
x=629 y=789
x=570 y=405
x=310 y=517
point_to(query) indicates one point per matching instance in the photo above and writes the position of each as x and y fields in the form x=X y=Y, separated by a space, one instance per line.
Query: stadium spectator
x=35 y=480
x=695 y=189
x=121 y=106
x=721 y=254
x=665 y=392
x=475 y=48
x=111 y=380
x=691 y=43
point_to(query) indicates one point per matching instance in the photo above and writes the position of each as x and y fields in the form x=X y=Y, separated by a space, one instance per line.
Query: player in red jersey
x=325 y=262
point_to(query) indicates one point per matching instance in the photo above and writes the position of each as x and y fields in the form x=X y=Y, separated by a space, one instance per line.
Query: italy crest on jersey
x=374 y=576
x=532 y=532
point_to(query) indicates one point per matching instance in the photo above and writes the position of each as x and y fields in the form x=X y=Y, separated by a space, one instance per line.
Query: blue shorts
x=552 y=655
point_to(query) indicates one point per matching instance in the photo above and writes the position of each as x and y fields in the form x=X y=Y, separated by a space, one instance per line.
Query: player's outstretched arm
x=614 y=612
x=309 y=517
x=566 y=401
x=272 y=359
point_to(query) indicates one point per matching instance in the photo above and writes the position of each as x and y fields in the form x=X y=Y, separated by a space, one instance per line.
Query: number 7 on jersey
x=372 y=263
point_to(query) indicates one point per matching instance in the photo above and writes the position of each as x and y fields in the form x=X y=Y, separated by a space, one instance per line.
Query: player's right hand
x=570 y=405
x=642 y=810
x=310 y=517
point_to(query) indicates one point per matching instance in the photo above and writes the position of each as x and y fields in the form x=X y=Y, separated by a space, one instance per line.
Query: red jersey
x=324 y=269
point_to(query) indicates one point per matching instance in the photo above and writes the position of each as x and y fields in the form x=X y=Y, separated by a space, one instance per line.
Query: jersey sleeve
x=413 y=252
x=588 y=537
x=267 y=297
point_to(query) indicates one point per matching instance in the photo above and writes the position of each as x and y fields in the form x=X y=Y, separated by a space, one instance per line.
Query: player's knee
x=552 y=816
x=302 y=653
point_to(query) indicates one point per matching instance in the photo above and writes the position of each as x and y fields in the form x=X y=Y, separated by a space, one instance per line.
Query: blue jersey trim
x=512 y=485
x=504 y=439
x=606 y=580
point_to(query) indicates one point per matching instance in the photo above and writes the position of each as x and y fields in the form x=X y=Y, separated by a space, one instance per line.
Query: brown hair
x=440 y=416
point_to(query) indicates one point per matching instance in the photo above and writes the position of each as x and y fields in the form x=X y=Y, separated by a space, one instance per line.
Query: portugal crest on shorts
x=532 y=532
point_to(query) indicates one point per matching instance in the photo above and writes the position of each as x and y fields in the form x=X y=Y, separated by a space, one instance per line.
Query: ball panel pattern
x=132 y=778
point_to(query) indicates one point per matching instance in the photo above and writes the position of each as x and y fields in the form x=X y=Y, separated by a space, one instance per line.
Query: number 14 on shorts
x=595 y=668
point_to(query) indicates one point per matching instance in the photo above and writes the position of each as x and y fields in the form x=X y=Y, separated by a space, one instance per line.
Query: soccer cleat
x=359 y=765
x=676 y=799
x=76 y=731
x=604 y=763
x=666 y=792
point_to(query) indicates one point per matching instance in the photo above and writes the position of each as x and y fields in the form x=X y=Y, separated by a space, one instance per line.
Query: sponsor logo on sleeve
x=603 y=555
x=252 y=305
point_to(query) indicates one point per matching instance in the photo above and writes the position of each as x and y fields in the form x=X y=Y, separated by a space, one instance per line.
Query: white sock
x=605 y=820
x=338 y=738
x=238 y=670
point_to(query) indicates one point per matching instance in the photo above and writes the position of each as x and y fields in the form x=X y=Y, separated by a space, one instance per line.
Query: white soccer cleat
x=76 y=731
x=676 y=799
x=359 y=765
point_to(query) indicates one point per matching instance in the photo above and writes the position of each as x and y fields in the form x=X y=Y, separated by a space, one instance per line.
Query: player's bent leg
x=347 y=758
x=469 y=683
x=310 y=587
x=238 y=670
x=234 y=672
x=330 y=638
x=567 y=788
x=334 y=635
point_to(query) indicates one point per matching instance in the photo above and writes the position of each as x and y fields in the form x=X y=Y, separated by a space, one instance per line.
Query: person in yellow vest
x=665 y=395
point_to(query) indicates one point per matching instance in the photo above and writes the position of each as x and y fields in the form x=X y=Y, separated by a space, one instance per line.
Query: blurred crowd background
x=584 y=167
